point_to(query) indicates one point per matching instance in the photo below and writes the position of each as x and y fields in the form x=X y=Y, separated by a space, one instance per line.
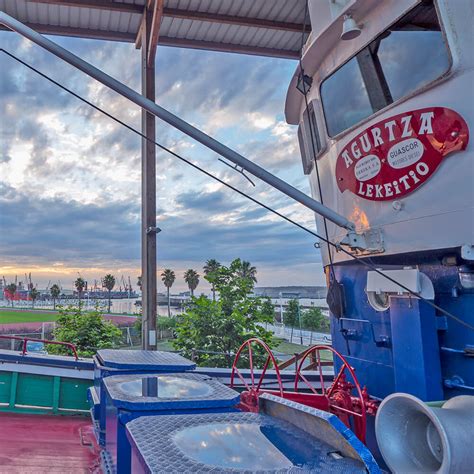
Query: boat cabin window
x=308 y=138
x=307 y=164
x=407 y=56
x=311 y=131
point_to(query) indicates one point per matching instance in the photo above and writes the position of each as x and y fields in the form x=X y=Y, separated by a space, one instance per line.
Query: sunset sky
x=70 y=177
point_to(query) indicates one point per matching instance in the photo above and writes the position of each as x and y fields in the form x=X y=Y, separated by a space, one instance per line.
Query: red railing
x=25 y=340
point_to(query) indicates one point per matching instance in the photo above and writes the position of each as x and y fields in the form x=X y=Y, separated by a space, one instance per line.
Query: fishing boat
x=382 y=96
x=383 y=103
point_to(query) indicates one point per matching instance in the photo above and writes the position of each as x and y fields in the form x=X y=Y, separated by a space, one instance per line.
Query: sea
x=117 y=306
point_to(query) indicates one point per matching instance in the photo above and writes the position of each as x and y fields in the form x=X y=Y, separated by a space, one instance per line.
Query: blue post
x=415 y=349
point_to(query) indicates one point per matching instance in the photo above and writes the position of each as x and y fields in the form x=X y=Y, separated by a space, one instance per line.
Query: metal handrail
x=25 y=341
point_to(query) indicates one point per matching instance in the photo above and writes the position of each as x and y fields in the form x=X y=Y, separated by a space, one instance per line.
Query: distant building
x=307 y=296
x=303 y=292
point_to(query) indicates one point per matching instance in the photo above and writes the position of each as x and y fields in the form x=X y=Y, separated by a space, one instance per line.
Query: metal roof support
x=108 y=5
x=234 y=20
x=163 y=40
x=138 y=39
x=178 y=123
x=154 y=30
x=77 y=32
x=148 y=229
x=228 y=48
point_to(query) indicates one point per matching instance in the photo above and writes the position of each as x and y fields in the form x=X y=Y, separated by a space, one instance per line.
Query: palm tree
x=11 y=289
x=34 y=293
x=247 y=271
x=55 y=292
x=168 y=277
x=191 y=277
x=109 y=282
x=80 y=284
x=210 y=269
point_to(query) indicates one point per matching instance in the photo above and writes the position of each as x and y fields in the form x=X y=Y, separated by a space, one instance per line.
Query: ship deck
x=47 y=444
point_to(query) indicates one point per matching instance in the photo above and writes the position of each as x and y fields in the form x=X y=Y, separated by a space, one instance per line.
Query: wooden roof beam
x=138 y=39
x=108 y=5
x=155 y=30
x=229 y=48
x=234 y=20
x=79 y=32
x=163 y=40
x=183 y=14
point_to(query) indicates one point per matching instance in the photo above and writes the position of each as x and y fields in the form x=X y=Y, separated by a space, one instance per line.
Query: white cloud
x=261 y=121
x=72 y=158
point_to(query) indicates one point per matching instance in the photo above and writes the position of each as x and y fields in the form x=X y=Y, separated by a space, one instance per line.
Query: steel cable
x=238 y=191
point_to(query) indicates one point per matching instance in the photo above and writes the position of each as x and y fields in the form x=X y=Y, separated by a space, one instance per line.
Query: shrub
x=218 y=328
x=87 y=330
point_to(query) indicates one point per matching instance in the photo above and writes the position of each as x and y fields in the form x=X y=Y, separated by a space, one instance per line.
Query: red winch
x=341 y=396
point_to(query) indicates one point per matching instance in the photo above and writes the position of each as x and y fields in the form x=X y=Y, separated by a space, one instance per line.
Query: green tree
x=210 y=269
x=88 y=331
x=55 y=292
x=291 y=316
x=314 y=320
x=109 y=282
x=163 y=323
x=233 y=285
x=34 y=293
x=246 y=270
x=80 y=285
x=218 y=328
x=268 y=308
x=191 y=277
x=11 y=290
x=291 y=313
x=168 y=277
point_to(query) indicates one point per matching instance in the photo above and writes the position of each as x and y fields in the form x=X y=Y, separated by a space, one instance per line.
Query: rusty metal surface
x=36 y=444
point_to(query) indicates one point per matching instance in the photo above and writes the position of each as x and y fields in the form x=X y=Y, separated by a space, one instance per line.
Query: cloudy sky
x=70 y=177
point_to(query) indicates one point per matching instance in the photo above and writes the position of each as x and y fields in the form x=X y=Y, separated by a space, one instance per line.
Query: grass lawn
x=288 y=348
x=7 y=316
x=165 y=345
x=285 y=347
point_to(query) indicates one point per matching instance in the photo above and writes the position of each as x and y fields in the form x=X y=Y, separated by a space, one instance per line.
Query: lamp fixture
x=350 y=30
x=304 y=83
